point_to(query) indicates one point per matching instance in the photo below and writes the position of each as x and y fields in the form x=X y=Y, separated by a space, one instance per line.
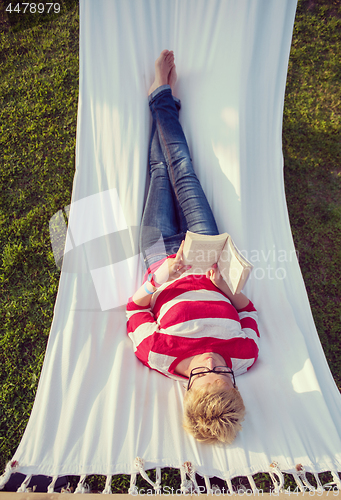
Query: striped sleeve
x=242 y=361
x=249 y=322
x=141 y=324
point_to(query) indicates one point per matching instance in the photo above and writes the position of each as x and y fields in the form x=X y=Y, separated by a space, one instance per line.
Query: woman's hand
x=215 y=276
x=168 y=271
x=239 y=300
x=171 y=268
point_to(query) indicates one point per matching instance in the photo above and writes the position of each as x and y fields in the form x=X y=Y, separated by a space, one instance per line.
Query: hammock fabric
x=97 y=407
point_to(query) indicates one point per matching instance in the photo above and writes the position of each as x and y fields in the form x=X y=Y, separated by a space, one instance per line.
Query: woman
x=187 y=326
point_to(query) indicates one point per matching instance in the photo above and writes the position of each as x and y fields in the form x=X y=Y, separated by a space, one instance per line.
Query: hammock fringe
x=11 y=467
x=23 y=488
x=208 y=485
x=133 y=488
x=82 y=487
x=336 y=483
x=273 y=472
x=252 y=484
x=229 y=485
x=336 y=478
x=51 y=486
x=303 y=482
x=300 y=483
x=107 y=489
x=191 y=485
x=139 y=465
x=66 y=489
x=319 y=484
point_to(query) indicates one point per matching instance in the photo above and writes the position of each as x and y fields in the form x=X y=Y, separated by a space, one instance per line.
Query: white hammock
x=97 y=407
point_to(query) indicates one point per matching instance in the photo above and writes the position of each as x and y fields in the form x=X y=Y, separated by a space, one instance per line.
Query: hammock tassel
x=23 y=488
x=133 y=488
x=107 y=489
x=66 y=489
x=229 y=485
x=82 y=487
x=241 y=489
x=209 y=490
x=139 y=465
x=299 y=482
x=50 y=488
x=11 y=467
x=319 y=484
x=252 y=484
x=188 y=486
x=336 y=478
x=158 y=481
x=336 y=481
x=302 y=480
x=216 y=490
x=273 y=472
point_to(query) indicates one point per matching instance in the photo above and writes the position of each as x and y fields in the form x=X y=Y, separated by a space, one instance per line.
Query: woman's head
x=213 y=412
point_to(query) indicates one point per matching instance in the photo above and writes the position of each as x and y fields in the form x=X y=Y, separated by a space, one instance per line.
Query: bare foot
x=163 y=66
x=172 y=77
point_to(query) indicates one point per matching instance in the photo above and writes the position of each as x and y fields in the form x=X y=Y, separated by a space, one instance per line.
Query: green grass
x=39 y=91
x=312 y=152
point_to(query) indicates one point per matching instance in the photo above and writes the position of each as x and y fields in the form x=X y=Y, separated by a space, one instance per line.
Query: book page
x=239 y=255
x=234 y=268
x=202 y=252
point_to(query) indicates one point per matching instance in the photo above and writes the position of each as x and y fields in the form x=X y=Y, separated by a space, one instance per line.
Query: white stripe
x=245 y=314
x=129 y=314
x=161 y=288
x=142 y=332
x=160 y=362
x=240 y=366
x=251 y=334
x=220 y=328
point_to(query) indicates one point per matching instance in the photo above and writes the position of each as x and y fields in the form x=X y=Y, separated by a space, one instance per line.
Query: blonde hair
x=213 y=413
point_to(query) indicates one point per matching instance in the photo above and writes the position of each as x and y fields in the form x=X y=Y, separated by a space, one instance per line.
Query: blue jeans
x=176 y=201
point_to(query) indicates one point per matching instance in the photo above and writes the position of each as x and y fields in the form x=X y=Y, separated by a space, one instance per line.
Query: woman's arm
x=238 y=300
x=246 y=311
x=169 y=270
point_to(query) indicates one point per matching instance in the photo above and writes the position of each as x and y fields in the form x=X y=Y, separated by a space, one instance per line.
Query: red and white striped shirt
x=190 y=316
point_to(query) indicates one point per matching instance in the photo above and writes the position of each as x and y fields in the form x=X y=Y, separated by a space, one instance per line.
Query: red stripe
x=144 y=349
x=199 y=309
x=249 y=323
x=182 y=347
x=186 y=284
x=137 y=319
x=131 y=306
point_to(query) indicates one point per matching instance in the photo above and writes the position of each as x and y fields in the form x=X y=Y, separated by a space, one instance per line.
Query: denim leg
x=160 y=224
x=195 y=213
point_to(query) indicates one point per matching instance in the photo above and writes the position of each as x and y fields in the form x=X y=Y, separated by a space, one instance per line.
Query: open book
x=202 y=251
